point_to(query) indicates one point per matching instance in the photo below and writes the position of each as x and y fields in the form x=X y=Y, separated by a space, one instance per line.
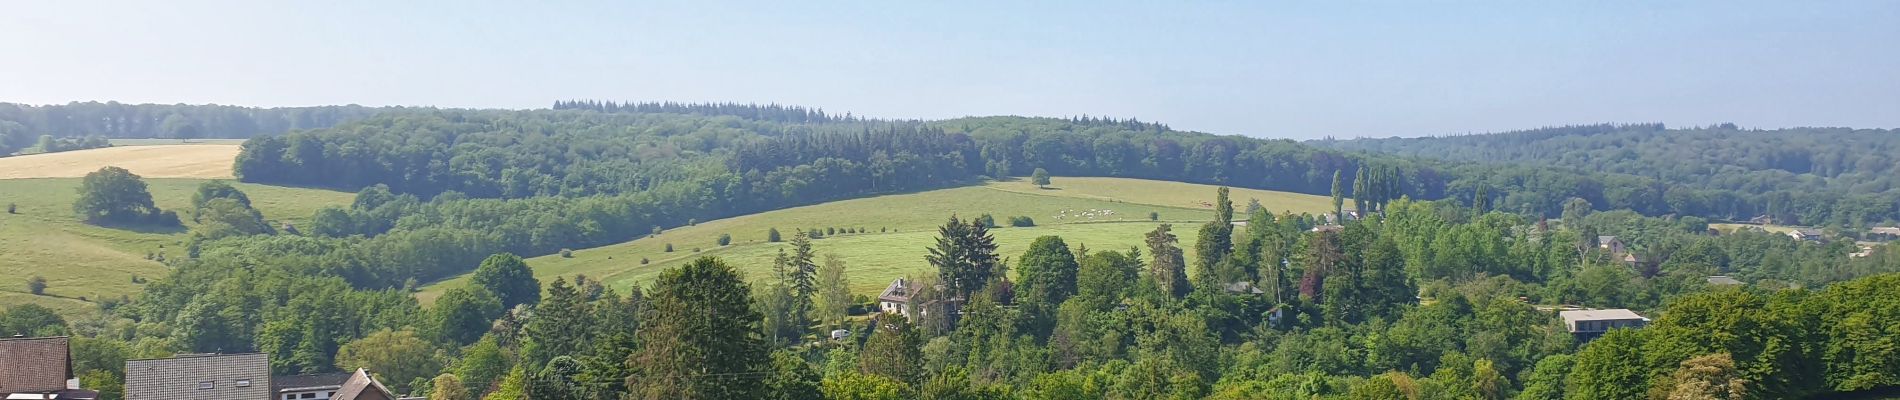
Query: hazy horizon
x=1301 y=71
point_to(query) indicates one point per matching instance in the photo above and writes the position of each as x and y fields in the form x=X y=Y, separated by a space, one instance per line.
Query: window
x=309 y=395
x=207 y=385
x=244 y=383
x=290 y=397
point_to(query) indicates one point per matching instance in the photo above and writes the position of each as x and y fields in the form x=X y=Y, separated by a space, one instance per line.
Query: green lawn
x=1101 y=213
x=79 y=260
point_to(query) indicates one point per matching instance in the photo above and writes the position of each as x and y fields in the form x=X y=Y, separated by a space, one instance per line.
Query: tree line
x=23 y=124
x=1814 y=176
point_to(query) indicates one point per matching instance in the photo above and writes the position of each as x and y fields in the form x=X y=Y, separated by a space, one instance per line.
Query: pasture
x=203 y=161
x=1100 y=213
x=44 y=238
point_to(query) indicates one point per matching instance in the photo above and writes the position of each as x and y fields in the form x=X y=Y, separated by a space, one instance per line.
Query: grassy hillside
x=209 y=161
x=78 y=260
x=900 y=228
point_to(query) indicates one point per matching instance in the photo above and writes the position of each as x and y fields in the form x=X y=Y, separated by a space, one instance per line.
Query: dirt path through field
x=159 y=161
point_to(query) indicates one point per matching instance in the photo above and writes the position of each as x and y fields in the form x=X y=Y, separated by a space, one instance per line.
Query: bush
x=831 y=231
x=987 y=220
x=36 y=285
x=1154 y=216
x=657 y=230
x=1021 y=222
x=567 y=253
x=669 y=247
x=771 y=235
x=644 y=261
x=725 y=239
x=692 y=222
x=13 y=208
x=695 y=249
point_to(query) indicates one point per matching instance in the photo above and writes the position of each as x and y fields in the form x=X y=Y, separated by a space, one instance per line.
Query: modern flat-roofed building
x=1589 y=324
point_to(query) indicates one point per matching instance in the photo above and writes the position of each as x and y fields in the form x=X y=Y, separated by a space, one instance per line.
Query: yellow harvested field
x=158 y=161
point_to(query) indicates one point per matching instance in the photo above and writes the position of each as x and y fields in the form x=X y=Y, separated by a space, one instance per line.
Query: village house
x=241 y=377
x=1866 y=250
x=1762 y=220
x=39 y=369
x=1805 y=234
x=308 y=387
x=896 y=297
x=1610 y=243
x=200 y=376
x=1329 y=228
x=1883 y=233
x=362 y=386
x=1723 y=280
x=1587 y=325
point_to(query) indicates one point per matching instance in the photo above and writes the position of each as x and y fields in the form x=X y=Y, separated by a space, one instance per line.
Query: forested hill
x=1804 y=175
x=22 y=124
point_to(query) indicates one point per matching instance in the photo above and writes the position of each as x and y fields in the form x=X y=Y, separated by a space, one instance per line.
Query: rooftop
x=899 y=291
x=199 y=376
x=1613 y=314
x=34 y=365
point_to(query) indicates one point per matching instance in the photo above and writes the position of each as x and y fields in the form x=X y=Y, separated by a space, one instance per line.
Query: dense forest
x=1838 y=177
x=22 y=125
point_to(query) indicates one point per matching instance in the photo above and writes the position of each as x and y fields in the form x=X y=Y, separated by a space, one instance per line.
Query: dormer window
x=244 y=383
x=207 y=385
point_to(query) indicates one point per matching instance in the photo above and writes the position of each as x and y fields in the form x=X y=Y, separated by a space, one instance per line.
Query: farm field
x=1101 y=213
x=79 y=260
x=206 y=161
x=153 y=142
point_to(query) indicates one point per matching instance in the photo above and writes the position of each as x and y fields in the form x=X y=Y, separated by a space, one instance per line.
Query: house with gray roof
x=200 y=376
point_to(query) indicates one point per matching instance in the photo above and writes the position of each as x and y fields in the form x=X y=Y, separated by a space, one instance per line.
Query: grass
x=206 y=161
x=900 y=228
x=79 y=260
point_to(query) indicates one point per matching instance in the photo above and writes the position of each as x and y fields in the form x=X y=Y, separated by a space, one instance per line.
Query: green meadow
x=1100 y=213
x=83 y=263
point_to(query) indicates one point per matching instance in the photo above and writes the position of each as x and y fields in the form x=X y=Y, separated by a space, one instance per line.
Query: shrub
x=567 y=253
x=657 y=230
x=13 y=208
x=36 y=285
x=771 y=235
x=725 y=239
x=1154 y=216
x=695 y=249
x=669 y=247
x=692 y=222
x=644 y=261
x=1022 y=221
x=987 y=220
x=831 y=231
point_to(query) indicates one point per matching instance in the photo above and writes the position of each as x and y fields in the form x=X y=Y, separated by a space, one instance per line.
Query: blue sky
x=1272 y=69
